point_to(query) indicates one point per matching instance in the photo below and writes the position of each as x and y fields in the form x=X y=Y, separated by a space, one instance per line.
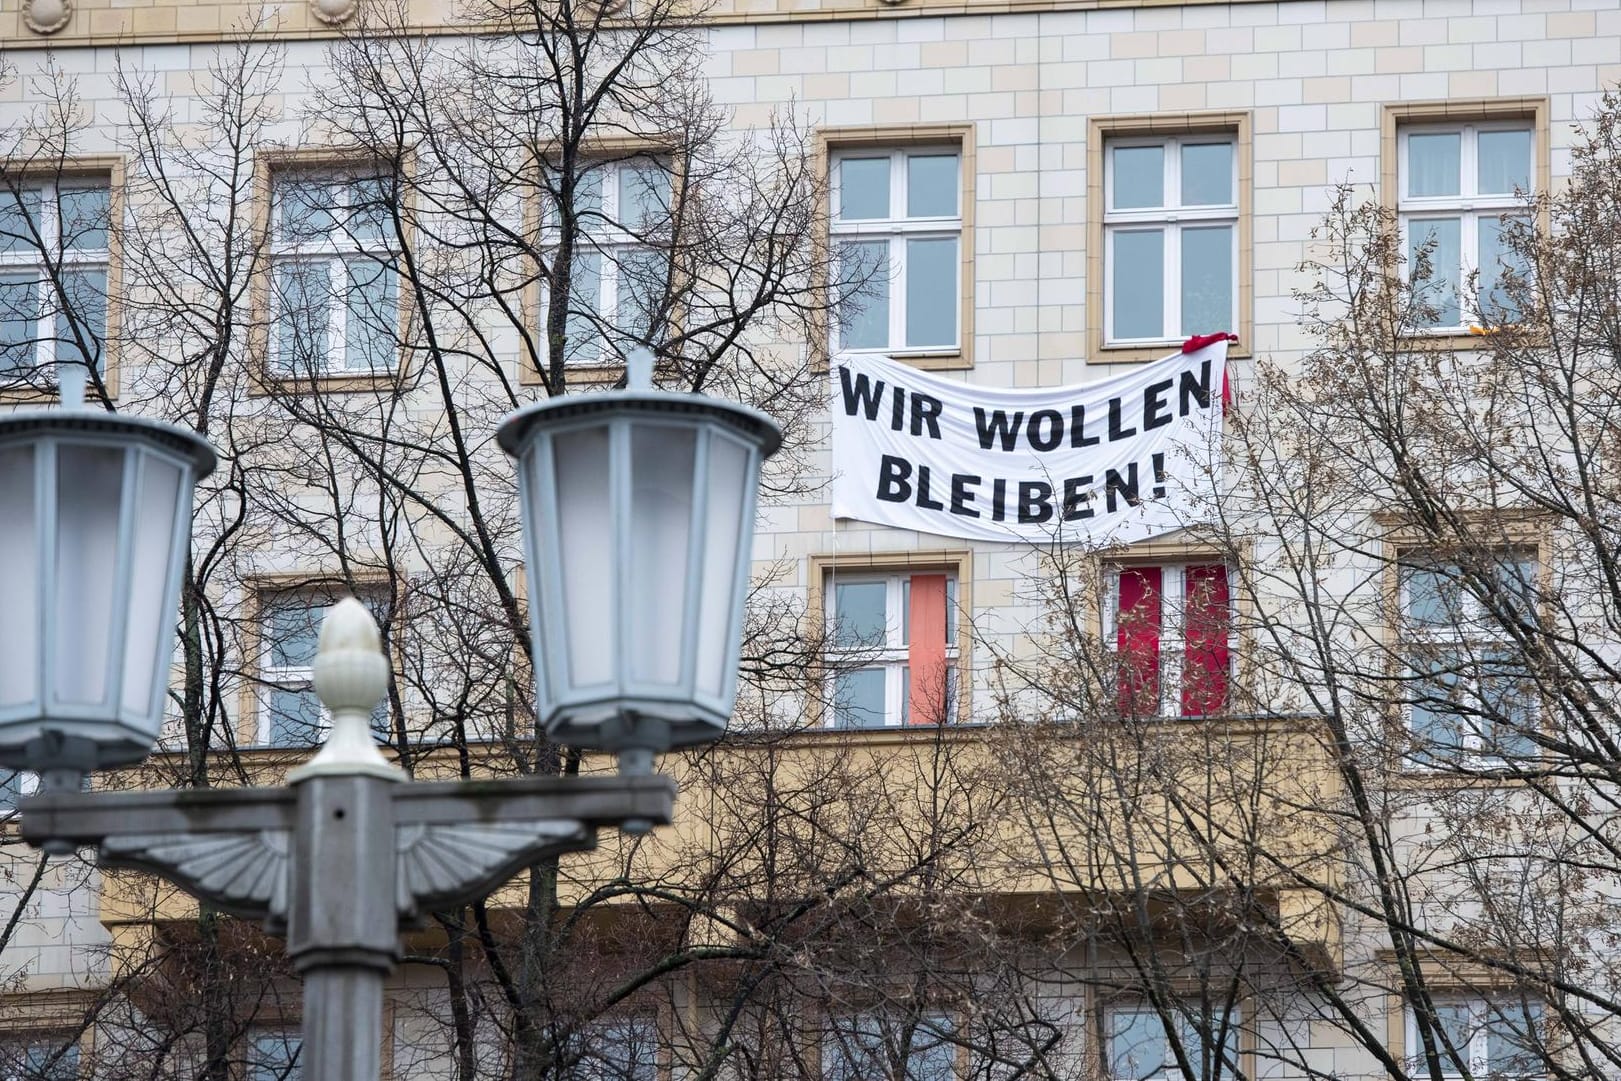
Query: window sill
x=267 y=385
x=1140 y=353
x=929 y=360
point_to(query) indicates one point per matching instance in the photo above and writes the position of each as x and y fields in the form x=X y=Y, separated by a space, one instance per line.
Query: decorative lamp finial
x=639 y=368
x=351 y=677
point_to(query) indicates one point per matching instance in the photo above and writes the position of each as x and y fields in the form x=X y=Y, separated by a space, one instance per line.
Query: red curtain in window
x=1137 y=641
x=926 y=651
x=1209 y=632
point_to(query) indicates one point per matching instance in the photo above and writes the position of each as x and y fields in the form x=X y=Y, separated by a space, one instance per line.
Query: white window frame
x=893 y=655
x=1412 y=634
x=896 y=230
x=1173 y=639
x=1189 y=1032
x=1469 y=206
x=1171 y=218
x=1481 y=1013
x=270 y=678
x=604 y=234
x=335 y=251
x=76 y=259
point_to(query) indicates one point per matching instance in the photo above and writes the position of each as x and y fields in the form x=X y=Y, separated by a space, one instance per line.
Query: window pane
x=19 y=315
x=1508 y=706
x=585 y=298
x=1434 y=259
x=274 y=1056
x=642 y=285
x=370 y=216
x=931 y=292
x=1207 y=279
x=20 y=220
x=303 y=296
x=1136 y=1045
x=43 y=1061
x=1433 y=597
x=1457 y=1028
x=1437 y=723
x=1512 y=1040
x=858 y=698
x=931 y=186
x=863 y=188
x=1496 y=257
x=644 y=196
x=1207 y=174
x=588 y=191
x=1139 y=283
x=80 y=337
x=85 y=210
x=864 y=312
x=859 y=615
x=1433 y=163
x=303 y=209
x=292 y=630
x=618 y=1051
x=1139 y=177
x=372 y=313
x=1504 y=161
x=295 y=717
x=853 y=1050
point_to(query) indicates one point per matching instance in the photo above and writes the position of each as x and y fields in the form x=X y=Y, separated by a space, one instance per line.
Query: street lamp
x=93 y=533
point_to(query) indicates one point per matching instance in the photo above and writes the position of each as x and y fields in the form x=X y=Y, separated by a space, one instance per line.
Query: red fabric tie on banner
x=1198 y=342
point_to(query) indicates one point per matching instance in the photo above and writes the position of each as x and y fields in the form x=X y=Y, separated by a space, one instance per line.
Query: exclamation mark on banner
x=1159 y=476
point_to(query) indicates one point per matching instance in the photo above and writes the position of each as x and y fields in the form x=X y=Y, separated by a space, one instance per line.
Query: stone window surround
x=830 y=140
x=1100 y=129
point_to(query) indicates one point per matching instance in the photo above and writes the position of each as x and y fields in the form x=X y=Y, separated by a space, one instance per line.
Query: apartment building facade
x=1067 y=860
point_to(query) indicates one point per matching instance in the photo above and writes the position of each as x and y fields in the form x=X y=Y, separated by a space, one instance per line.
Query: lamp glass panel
x=585 y=550
x=149 y=622
x=661 y=508
x=728 y=482
x=89 y=497
x=19 y=585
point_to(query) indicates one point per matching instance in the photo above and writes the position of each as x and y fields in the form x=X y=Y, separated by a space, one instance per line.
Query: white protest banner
x=1102 y=463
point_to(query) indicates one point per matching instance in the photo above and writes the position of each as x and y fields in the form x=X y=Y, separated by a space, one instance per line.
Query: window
x=1139 y=1050
x=54 y=258
x=290 y=713
x=1498 y=1039
x=897 y=231
x=874 y=1047
x=1171 y=627
x=39 y=1060
x=274 y=1056
x=14 y=785
x=333 y=278
x=622 y=1049
x=1460 y=185
x=1170 y=234
x=1469 y=692
x=894 y=650
x=619 y=278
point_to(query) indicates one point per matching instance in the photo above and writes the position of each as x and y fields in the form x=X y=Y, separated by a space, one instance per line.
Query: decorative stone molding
x=47 y=16
x=330 y=12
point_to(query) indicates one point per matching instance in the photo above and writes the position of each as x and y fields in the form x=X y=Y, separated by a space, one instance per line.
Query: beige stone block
x=1423 y=31
x=1572 y=24
x=1449 y=58
x=1399 y=61
x=829 y=85
x=108 y=23
x=1472 y=84
x=1184 y=95
x=897 y=111
x=943 y=54
x=1307 y=173
x=1207 y=68
x=1373 y=33
x=1134 y=46
x=756 y=62
x=1015 y=78
x=1325 y=91
x=154 y=20
x=1181 y=43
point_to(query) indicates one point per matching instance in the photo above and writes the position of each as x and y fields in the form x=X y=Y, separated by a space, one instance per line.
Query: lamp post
x=621 y=492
